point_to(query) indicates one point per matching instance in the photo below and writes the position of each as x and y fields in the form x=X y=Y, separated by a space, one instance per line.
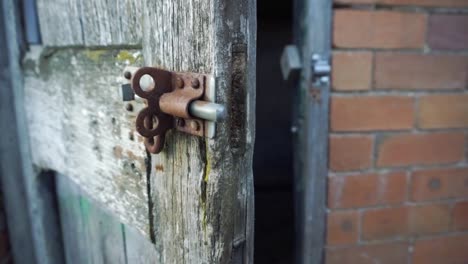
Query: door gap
x=273 y=163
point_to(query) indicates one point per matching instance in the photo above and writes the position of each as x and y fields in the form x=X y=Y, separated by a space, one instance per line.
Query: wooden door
x=193 y=201
x=312 y=37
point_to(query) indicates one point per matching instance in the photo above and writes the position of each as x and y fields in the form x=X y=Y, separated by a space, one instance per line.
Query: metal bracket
x=321 y=70
x=291 y=63
x=184 y=101
x=291 y=66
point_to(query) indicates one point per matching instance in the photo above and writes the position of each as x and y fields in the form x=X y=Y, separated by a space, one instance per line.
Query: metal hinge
x=321 y=70
x=184 y=101
x=291 y=66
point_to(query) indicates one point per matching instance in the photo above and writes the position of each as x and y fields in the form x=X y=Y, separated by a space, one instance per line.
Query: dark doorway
x=273 y=171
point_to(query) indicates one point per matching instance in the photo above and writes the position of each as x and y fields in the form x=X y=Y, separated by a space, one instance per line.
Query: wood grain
x=27 y=195
x=202 y=197
x=93 y=235
x=195 y=199
x=79 y=127
x=90 y=22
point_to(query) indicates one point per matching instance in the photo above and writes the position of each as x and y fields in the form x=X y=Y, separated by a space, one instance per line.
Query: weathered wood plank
x=312 y=33
x=73 y=231
x=104 y=234
x=79 y=127
x=90 y=235
x=202 y=190
x=64 y=13
x=90 y=22
x=139 y=249
x=11 y=165
x=29 y=197
x=93 y=235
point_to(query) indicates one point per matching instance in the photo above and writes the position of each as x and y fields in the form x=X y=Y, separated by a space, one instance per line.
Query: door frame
x=28 y=195
x=312 y=36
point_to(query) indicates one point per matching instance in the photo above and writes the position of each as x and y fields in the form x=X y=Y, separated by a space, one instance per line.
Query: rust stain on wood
x=118 y=152
x=159 y=167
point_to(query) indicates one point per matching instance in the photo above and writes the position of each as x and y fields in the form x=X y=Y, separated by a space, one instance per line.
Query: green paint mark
x=85 y=208
x=124 y=239
x=94 y=55
x=126 y=56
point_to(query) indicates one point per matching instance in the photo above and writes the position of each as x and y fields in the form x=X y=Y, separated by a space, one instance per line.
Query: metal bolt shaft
x=207 y=111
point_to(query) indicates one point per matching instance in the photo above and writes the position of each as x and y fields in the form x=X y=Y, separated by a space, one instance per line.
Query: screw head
x=129 y=107
x=179 y=83
x=127 y=75
x=194 y=125
x=180 y=122
x=195 y=83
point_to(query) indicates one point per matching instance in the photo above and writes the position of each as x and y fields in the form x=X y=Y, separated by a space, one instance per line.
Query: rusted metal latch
x=184 y=101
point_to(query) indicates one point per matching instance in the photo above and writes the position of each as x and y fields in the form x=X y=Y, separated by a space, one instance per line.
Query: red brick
x=460 y=216
x=350 y=152
x=414 y=149
x=366 y=190
x=385 y=223
x=367 y=113
x=355 y=1
x=402 y=222
x=378 y=29
x=388 y=253
x=429 y=219
x=434 y=3
x=436 y=184
x=352 y=191
x=352 y=71
x=451 y=249
x=393 y=188
x=443 y=111
x=438 y=3
x=448 y=32
x=342 y=228
x=420 y=71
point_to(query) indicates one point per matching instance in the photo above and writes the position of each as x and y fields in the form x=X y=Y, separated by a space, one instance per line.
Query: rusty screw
x=129 y=107
x=195 y=83
x=180 y=122
x=179 y=83
x=127 y=75
x=194 y=125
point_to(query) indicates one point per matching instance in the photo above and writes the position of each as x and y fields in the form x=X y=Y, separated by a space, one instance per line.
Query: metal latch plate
x=170 y=103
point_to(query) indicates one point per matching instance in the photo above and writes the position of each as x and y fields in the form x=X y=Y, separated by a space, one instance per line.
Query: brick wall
x=398 y=181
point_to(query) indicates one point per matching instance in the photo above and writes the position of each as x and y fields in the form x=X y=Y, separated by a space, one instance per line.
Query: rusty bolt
x=195 y=83
x=179 y=83
x=194 y=125
x=180 y=122
x=127 y=75
x=129 y=107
